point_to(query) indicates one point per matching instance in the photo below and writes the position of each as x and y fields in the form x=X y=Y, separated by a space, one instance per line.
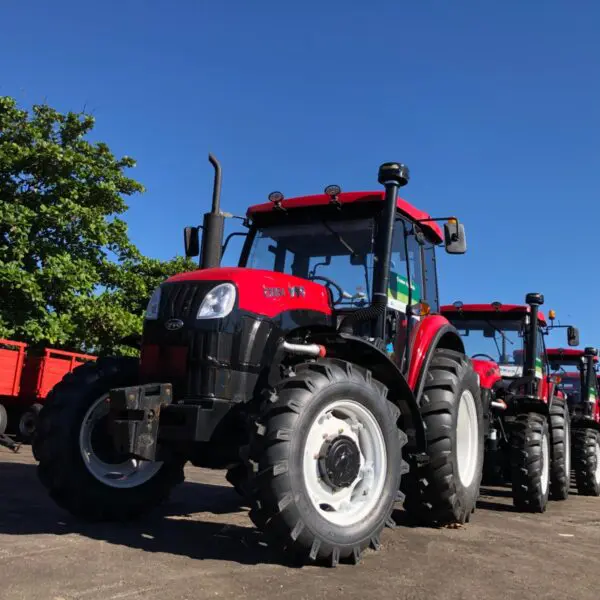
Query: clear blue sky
x=494 y=106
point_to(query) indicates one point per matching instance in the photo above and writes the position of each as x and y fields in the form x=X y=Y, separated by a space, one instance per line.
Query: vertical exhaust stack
x=589 y=383
x=534 y=301
x=392 y=176
x=213 y=225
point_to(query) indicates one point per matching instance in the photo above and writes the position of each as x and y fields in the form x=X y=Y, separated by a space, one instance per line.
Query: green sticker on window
x=398 y=292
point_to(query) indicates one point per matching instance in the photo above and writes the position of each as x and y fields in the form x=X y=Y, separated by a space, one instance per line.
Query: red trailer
x=26 y=378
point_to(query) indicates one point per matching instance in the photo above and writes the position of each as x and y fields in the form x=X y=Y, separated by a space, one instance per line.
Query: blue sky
x=494 y=106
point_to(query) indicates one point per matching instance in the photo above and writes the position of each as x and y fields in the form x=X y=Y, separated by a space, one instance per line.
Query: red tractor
x=314 y=372
x=581 y=389
x=527 y=422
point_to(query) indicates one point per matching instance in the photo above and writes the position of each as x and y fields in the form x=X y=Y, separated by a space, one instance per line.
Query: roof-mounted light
x=458 y=304
x=496 y=305
x=276 y=198
x=333 y=191
x=552 y=314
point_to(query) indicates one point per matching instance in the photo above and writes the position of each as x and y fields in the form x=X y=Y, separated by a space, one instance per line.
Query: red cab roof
x=404 y=207
x=507 y=311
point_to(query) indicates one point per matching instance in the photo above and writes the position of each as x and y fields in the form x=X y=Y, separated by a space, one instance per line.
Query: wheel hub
x=339 y=461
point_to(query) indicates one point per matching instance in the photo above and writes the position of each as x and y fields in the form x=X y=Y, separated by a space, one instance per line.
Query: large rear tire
x=530 y=462
x=77 y=463
x=560 y=437
x=586 y=461
x=326 y=463
x=445 y=490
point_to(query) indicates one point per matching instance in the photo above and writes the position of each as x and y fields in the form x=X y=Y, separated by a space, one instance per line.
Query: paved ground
x=202 y=545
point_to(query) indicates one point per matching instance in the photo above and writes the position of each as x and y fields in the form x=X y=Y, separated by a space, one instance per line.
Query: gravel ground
x=202 y=545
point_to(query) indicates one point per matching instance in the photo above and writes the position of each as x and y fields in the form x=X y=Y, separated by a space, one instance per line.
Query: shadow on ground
x=26 y=509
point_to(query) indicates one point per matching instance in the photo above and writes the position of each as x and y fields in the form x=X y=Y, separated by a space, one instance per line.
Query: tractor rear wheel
x=530 y=462
x=560 y=436
x=586 y=461
x=3 y=419
x=77 y=462
x=326 y=462
x=445 y=490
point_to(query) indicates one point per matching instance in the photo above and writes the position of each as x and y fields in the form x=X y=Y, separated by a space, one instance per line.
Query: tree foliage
x=69 y=274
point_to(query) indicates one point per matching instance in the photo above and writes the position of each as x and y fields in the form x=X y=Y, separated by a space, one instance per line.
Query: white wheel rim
x=597 y=472
x=353 y=503
x=545 y=478
x=467 y=438
x=568 y=451
x=128 y=474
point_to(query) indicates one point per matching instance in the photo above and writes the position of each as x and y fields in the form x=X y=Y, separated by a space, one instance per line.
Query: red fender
x=488 y=371
x=425 y=337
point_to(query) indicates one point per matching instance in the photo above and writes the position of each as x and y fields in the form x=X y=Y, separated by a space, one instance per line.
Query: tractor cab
x=500 y=338
x=574 y=371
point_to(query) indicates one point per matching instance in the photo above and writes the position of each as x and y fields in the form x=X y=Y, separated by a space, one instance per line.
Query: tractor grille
x=182 y=300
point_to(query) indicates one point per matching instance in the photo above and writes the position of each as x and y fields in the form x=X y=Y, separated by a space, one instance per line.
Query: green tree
x=69 y=275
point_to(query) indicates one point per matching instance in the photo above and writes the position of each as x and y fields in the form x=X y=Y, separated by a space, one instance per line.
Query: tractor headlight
x=218 y=302
x=153 y=305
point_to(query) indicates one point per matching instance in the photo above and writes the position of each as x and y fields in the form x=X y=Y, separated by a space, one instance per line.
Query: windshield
x=339 y=254
x=501 y=339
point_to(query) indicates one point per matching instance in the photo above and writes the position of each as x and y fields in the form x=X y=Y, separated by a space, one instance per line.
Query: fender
x=349 y=347
x=432 y=332
x=581 y=422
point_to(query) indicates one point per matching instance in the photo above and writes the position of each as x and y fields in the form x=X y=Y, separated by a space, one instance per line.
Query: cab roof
x=566 y=355
x=407 y=209
x=489 y=311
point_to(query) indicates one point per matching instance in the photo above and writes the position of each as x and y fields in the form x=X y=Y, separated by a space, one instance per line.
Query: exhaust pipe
x=213 y=225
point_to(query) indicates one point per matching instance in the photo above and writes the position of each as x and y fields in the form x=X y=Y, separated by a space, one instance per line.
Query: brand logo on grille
x=174 y=324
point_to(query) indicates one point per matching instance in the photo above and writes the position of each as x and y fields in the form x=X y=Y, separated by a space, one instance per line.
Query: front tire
x=560 y=437
x=530 y=462
x=326 y=463
x=586 y=461
x=445 y=490
x=76 y=461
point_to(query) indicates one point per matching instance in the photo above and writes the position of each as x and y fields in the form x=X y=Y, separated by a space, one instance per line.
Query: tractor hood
x=488 y=371
x=265 y=293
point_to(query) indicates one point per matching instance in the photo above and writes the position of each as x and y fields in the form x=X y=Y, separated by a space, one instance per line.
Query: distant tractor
x=314 y=372
x=527 y=422
x=581 y=389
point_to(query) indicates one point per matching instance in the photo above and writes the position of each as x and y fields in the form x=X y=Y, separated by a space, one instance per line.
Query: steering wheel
x=484 y=356
x=330 y=283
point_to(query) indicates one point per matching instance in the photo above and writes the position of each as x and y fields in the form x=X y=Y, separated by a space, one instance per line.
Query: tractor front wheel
x=77 y=462
x=530 y=462
x=560 y=436
x=445 y=490
x=586 y=461
x=326 y=462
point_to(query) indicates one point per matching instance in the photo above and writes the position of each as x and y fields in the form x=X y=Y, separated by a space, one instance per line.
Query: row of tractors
x=325 y=377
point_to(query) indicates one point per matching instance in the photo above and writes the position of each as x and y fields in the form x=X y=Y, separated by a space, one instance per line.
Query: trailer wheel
x=78 y=465
x=445 y=490
x=326 y=462
x=28 y=422
x=586 y=461
x=530 y=462
x=3 y=419
x=560 y=436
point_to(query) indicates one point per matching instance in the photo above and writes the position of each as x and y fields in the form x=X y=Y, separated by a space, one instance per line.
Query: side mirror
x=454 y=237
x=573 y=336
x=191 y=241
